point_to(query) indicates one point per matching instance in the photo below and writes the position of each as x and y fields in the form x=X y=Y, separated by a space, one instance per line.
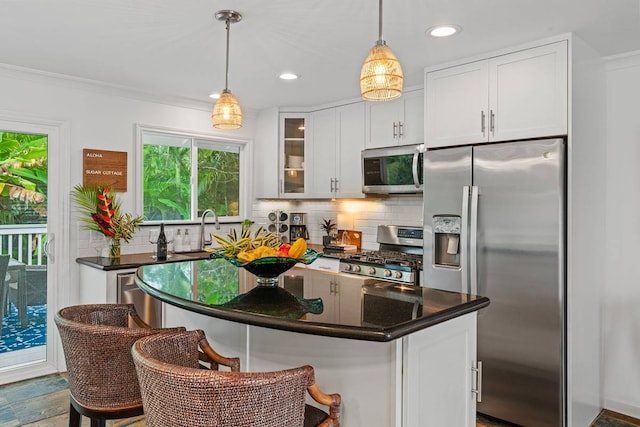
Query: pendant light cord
x=226 y=76
x=380 y=41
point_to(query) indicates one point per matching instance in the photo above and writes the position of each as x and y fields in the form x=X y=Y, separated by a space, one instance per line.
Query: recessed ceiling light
x=214 y=95
x=288 y=76
x=443 y=30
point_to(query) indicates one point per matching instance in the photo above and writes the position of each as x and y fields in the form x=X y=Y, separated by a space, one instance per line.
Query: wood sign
x=102 y=167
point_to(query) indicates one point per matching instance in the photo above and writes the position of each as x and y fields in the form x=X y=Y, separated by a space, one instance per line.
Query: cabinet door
x=412 y=124
x=456 y=105
x=293 y=149
x=322 y=153
x=265 y=154
x=444 y=354
x=351 y=130
x=528 y=93
x=382 y=122
x=323 y=286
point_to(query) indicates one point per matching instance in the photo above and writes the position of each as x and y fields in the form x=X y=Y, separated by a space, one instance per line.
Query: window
x=182 y=175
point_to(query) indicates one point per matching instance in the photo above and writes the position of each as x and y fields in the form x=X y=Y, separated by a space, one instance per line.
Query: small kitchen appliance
x=393 y=170
x=298 y=227
x=398 y=258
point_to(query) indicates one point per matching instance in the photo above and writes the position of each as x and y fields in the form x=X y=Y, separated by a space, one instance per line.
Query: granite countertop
x=307 y=301
x=137 y=260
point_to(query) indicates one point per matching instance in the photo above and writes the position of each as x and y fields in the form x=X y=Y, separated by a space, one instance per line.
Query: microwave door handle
x=416 y=180
x=464 y=241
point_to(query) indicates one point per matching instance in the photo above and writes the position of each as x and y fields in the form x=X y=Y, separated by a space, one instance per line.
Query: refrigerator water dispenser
x=446 y=234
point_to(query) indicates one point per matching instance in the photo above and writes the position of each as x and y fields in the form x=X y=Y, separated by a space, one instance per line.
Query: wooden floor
x=44 y=402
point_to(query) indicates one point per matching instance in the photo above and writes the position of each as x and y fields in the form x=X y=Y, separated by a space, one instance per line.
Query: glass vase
x=114 y=248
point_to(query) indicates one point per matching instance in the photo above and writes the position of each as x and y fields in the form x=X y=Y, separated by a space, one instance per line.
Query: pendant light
x=381 y=75
x=226 y=111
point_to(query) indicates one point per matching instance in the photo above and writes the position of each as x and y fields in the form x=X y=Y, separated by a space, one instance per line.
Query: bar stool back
x=175 y=392
x=97 y=340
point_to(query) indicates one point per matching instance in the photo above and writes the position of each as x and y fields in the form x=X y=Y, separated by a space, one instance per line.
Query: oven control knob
x=372 y=270
x=398 y=274
x=356 y=268
x=346 y=267
x=387 y=273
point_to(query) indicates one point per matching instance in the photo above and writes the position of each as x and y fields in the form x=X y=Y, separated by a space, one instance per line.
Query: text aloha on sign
x=102 y=167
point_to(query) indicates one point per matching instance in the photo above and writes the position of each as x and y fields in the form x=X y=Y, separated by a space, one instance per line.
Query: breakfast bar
x=399 y=355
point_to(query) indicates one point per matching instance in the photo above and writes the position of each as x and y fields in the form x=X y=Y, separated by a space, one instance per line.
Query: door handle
x=50 y=255
x=464 y=241
x=414 y=168
x=473 y=241
x=477 y=370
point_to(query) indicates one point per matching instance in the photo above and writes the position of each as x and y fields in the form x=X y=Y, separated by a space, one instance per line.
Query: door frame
x=58 y=159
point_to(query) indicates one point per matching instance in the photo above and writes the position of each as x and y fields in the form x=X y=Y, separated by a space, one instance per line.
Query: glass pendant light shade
x=226 y=112
x=381 y=76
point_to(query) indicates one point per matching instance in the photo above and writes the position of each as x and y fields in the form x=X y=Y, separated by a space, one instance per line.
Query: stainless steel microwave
x=393 y=170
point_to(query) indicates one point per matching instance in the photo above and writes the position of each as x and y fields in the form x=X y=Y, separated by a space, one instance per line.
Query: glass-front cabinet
x=293 y=150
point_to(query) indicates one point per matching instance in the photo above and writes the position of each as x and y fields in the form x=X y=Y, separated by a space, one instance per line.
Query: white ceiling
x=176 y=48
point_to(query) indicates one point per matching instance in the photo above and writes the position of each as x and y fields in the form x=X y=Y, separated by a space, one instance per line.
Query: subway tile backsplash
x=363 y=215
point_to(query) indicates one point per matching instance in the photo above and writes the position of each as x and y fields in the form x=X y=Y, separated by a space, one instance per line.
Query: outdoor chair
x=32 y=292
x=97 y=340
x=176 y=392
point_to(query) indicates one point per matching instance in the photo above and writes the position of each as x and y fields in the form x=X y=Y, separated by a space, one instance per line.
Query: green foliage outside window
x=167 y=177
x=23 y=178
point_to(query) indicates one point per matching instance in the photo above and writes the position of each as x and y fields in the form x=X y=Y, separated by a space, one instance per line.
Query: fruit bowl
x=270 y=267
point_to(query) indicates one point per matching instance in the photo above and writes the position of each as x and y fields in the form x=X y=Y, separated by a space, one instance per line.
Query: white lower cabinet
x=424 y=379
x=439 y=374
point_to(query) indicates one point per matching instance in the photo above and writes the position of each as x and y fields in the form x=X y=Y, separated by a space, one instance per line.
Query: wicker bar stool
x=175 y=392
x=97 y=340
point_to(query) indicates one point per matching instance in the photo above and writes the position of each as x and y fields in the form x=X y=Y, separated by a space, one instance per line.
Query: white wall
x=99 y=117
x=622 y=286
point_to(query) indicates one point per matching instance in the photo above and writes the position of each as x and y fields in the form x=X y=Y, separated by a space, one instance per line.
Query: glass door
x=23 y=235
x=32 y=212
x=293 y=149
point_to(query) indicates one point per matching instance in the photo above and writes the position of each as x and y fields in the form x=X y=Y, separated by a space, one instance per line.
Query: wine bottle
x=162 y=245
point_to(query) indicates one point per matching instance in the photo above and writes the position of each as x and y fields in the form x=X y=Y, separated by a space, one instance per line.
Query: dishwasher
x=147 y=307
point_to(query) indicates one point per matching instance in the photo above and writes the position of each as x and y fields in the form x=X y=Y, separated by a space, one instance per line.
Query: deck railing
x=24 y=243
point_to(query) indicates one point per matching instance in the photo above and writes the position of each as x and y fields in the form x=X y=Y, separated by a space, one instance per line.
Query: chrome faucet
x=203 y=241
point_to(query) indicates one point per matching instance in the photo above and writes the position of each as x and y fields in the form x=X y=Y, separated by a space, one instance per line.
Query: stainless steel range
x=398 y=259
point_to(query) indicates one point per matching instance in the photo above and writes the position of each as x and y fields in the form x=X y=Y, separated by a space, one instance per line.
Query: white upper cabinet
x=508 y=97
x=336 y=141
x=397 y=122
x=293 y=155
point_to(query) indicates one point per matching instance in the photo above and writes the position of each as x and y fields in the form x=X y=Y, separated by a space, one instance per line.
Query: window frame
x=244 y=147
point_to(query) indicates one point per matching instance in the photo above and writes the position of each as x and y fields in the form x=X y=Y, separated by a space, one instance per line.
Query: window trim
x=244 y=145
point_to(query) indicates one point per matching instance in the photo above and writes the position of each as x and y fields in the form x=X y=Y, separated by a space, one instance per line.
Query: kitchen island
x=398 y=355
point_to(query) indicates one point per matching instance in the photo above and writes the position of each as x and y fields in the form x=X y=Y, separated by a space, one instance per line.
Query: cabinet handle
x=482 y=125
x=492 y=123
x=336 y=185
x=281 y=186
x=478 y=374
x=400 y=129
x=395 y=133
x=332 y=185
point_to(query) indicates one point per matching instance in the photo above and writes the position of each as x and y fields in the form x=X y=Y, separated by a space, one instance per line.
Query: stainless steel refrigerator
x=495 y=226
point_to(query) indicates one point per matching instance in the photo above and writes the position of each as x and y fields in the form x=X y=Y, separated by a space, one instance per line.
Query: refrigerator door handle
x=473 y=241
x=464 y=242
